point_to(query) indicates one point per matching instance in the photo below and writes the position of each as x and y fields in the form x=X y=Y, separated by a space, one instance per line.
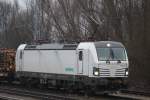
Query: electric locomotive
x=101 y=65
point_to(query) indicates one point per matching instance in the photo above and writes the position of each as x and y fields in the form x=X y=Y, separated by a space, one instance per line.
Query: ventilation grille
x=120 y=72
x=104 y=72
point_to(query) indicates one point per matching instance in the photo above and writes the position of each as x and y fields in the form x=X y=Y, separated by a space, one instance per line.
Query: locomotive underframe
x=72 y=81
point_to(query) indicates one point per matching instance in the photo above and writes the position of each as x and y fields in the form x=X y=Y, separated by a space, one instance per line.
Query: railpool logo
x=69 y=69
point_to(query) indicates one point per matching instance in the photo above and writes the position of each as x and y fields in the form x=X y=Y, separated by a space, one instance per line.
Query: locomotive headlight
x=108 y=45
x=126 y=72
x=95 y=71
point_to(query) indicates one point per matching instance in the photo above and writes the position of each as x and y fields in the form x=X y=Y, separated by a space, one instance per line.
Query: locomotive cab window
x=20 y=54
x=111 y=54
x=80 y=55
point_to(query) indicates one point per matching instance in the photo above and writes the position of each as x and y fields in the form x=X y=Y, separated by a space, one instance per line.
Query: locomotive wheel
x=23 y=81
x=89 y=90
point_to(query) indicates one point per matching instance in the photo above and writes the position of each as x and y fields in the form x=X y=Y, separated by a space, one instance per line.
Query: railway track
x=34 y=94
x=8 y=98
x=136 y=92
x=59 y=95
x=134 y=95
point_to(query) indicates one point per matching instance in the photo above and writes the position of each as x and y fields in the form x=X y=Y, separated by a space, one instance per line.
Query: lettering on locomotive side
x=69 y=69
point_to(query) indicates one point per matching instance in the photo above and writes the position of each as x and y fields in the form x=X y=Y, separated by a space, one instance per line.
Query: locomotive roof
x=56 y=46
x=52 y=46
x=110 y=43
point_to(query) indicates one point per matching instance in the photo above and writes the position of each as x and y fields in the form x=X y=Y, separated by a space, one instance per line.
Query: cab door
x=80 y=61
x=21 y=60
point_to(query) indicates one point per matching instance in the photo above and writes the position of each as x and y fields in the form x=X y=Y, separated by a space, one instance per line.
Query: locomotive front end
x=111 y=70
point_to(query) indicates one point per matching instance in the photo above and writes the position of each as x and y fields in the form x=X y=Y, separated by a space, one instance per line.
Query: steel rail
x=143 y=93
x=45 y=96
x=8 y=98
x=59 y=95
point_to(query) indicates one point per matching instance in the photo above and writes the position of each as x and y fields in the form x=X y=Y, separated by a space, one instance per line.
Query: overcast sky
x=21 y=2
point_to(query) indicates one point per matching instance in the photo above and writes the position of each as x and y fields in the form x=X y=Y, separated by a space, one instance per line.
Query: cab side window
x=80 y=55
x=20 y=54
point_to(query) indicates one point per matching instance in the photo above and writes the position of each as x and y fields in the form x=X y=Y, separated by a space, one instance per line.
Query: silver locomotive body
x=103 y=63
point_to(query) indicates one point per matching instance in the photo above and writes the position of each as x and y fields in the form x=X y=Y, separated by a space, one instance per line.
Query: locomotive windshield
x=111 y=54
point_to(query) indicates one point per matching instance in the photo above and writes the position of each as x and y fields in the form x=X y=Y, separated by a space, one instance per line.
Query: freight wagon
x=7 y=63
